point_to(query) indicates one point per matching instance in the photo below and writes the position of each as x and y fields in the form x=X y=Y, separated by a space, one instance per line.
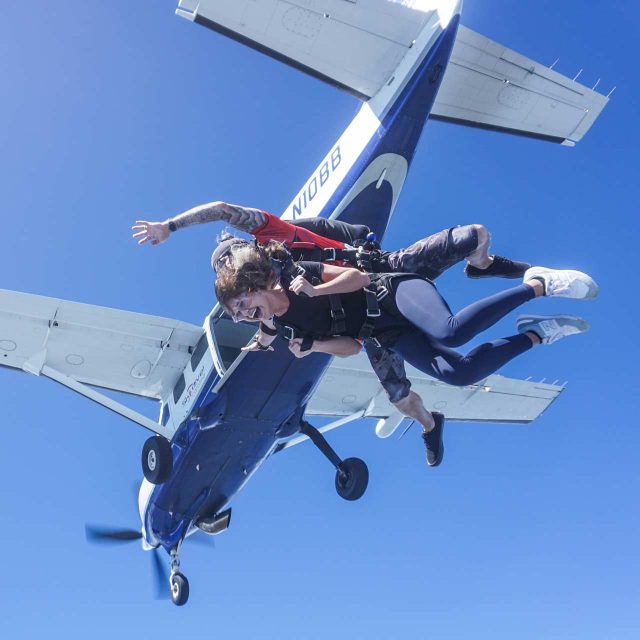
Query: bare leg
x=412 y=407
x=480 y=258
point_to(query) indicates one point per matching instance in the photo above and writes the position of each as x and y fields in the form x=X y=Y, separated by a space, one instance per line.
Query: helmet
x=223 y=249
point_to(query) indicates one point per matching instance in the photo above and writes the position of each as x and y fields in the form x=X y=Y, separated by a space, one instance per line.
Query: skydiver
x=316 y=238
x=399 y=311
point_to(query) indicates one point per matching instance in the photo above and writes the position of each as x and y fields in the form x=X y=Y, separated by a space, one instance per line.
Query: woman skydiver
x=330 y=309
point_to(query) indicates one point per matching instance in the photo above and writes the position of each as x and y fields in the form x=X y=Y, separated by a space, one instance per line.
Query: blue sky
x=116 y=111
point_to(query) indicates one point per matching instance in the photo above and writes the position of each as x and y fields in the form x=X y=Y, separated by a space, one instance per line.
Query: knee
x=451 y=339
x=408 y=404
x=483 y=235
x=460 y=377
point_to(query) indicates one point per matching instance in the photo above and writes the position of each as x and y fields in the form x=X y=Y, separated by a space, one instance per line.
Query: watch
x=172 y=226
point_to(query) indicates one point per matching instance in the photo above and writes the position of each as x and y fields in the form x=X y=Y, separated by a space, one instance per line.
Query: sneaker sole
x=528 y=323
x=593 y=288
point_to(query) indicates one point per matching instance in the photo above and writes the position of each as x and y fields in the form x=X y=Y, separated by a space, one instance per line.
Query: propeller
x=102 y=535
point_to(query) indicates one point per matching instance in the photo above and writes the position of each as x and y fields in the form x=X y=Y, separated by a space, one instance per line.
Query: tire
x=352 y=479
x=157 y=459
x=179 y=589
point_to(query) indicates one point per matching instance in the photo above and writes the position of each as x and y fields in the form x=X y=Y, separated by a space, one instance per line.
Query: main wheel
x=157 y=459
x=179 y=589
x=352 y=479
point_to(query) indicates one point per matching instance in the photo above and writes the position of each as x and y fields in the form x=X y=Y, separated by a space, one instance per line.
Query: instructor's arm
x=240 y=218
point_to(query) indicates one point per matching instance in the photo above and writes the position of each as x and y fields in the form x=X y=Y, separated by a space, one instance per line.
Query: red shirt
x=282 y=231
x=294 y=237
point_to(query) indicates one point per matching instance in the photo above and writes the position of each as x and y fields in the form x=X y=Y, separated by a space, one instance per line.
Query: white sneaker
x=564 y=283
x=552 y=328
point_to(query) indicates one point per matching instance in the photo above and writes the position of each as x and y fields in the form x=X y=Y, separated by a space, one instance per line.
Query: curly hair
x=251 y=268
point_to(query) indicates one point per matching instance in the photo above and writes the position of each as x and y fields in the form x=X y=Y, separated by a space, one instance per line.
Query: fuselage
x=236 y=418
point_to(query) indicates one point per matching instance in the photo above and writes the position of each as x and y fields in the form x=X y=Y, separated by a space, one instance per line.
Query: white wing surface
x=489 y=86
x=353 y=45
x=350 y=386
x=120 y=350
x=358 y=46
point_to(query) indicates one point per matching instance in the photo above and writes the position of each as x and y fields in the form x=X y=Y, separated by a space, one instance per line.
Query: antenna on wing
x=610 y=92
x=555 y=62
x=595 y=85
x=577 y=75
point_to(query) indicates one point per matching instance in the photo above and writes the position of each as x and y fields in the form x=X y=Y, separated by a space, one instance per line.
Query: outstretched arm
x=240 y=218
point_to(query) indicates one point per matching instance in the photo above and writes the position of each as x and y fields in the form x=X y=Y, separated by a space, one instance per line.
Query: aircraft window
x=199 y=351
x=179 y=388
x=165 y=415
x=229 y=336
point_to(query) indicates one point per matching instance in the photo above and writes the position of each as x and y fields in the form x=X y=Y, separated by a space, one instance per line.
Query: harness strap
x=338 y=316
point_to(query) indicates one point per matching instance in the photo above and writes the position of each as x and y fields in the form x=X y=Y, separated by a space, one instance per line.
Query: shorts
x=389 y=367
x=433 y=255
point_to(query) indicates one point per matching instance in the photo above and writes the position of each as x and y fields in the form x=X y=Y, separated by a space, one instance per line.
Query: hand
x=299 y=285
x=295 y=348
x=156 y=232
x=254 y=345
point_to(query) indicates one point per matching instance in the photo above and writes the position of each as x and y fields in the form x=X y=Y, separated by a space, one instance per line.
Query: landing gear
x=177 y=581
x=157 y=459
x=352 y=478
x=352 y=475
x=179 y=589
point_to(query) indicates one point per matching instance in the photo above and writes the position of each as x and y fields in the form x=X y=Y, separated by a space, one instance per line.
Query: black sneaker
x=433 y=441
x=499 y=268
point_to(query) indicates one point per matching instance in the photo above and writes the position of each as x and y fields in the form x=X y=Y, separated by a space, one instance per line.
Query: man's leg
x=389 y=367
x=433 y=255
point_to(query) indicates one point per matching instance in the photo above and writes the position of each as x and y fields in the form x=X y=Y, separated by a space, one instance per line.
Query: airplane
x=224 y=412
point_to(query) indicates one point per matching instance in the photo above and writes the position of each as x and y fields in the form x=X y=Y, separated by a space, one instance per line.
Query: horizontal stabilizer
x=489 y=86
x=358 y=47
x=120 y=350
x=350 y=385
x=355 y=46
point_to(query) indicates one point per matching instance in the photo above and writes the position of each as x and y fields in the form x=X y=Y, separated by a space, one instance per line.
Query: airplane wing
x=357 y=47
x=109 y=348
x=350 y=390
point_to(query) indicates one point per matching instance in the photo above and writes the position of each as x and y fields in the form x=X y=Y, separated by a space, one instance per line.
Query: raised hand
x=295 y=346
x=154 y=232
x=300 y=286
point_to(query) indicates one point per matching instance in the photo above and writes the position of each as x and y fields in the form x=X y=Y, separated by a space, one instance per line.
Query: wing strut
x=105 y=401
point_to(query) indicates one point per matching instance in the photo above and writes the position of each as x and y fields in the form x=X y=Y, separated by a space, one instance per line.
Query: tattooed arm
x=241 y=218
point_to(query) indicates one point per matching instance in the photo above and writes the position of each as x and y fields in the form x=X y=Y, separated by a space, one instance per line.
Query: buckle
x=329 y=254
x=383 y=292
x=288 y=332
x=338 y=314
x=373 y=314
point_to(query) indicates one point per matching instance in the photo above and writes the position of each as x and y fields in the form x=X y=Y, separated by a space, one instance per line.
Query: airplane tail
x=407 y=60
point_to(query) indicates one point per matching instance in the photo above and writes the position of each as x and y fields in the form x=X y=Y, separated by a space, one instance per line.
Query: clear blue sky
x=113 y=111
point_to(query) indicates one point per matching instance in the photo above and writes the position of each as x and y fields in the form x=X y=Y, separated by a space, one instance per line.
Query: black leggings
x=437 y=329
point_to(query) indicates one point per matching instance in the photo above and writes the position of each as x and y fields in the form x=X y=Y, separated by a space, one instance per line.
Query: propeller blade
x=160 y=576
x=102 y=535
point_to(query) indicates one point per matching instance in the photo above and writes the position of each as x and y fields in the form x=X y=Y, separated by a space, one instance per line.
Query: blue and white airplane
x=224 y=412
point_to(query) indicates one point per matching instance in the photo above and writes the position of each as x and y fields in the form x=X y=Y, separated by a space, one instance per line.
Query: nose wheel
x=178 y=583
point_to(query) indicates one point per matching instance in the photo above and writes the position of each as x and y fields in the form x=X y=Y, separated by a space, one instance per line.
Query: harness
x=366 y=257
x=377 y=298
